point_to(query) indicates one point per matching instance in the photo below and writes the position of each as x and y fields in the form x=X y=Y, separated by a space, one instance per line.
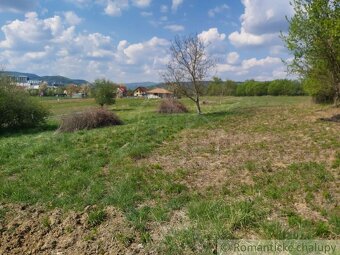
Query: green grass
x=111 y=166
x=96 y=217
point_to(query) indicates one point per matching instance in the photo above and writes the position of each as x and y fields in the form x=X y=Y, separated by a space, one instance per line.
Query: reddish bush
x=171 y=105
x=93 y=118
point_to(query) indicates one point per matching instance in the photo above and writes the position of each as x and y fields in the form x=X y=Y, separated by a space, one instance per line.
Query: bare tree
x=188 y=67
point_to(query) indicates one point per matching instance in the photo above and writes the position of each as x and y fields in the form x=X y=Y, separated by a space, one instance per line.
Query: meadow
x=249 y=167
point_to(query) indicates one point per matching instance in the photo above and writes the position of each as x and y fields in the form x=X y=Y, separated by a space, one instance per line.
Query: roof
x=143 y=89
x=159 y=91
x=122 y=88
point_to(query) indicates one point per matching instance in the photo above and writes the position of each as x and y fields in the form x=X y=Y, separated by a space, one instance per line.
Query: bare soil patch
x=34 y=230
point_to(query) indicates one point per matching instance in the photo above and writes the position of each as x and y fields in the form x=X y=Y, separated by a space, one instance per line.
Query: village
x=71 y=90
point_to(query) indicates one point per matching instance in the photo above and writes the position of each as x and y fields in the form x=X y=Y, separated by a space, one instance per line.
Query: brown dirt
x=33 y=230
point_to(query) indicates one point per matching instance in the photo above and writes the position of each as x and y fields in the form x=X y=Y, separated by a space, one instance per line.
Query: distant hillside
x=140 y=84
x=49 y=79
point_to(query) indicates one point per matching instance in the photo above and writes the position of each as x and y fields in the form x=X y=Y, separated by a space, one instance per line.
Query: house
x=121 y=91
x=159 y=93
x=140 y=92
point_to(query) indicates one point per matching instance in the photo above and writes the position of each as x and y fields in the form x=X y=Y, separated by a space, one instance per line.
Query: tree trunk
x=336 y=99
x=337 y=96
x=198 y=106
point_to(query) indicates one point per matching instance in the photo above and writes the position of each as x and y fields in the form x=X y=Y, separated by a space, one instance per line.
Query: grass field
x=257 y=167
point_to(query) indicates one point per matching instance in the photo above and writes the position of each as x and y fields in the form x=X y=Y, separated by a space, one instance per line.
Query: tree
x=215 y=87
x=85 y=89
x=314 y=40
x=104 y=92
x=43 y=89
x=230 y=88
x=72 y=89
x=188 y=67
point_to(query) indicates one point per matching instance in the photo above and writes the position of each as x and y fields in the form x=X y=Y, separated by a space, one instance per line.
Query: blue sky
x=128 y=40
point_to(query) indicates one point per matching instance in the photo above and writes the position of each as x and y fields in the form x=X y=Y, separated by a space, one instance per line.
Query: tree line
x=283 y=87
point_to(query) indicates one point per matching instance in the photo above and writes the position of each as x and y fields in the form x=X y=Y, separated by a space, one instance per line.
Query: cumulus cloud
x=175 y=28
x=243 y=38
x=17 y=5
x=72 y=18
x=53 y=46
x=233 y=57
x=211 y=36
x=176 y=4
x=267 y=68
x=116 y=7
x=272 y=18
x=215 y=42
x=261 y=29
x=143 y=52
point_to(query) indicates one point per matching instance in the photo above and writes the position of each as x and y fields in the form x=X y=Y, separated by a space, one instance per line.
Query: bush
x=170 y=105
x=321 y=92
x=104 y=92
x=93 y=118
x=18 y=109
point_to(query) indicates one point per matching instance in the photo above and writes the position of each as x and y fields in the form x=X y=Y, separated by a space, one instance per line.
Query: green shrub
x=321 y=92
x=18 y=109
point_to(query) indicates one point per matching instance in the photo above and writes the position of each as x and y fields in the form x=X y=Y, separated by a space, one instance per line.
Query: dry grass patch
x=90 y=119
x=283 y=155
x=171 y=105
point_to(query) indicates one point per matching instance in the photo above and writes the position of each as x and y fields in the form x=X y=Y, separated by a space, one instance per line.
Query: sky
x=128 y=40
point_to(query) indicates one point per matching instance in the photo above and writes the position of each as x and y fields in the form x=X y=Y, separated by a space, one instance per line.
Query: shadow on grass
x=16 y=132
x=123 y=110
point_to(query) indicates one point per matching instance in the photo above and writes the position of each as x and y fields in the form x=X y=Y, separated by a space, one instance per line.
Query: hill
x=49 y=79
x=135 y=85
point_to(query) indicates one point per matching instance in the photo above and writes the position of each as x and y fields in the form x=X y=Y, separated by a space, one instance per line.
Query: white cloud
x=261 y=22
x=215 y=42
x=211 y=36
x=72 y=18
x=217 y=9
x=175 y=28
x=116 y=7
x=265 y=16
x=54 y=45
x=253 y=62
x=243 y=38
x=233 y=57
x=142 y=52
x=267 y=68
x=176 y=4
x=141 y=3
